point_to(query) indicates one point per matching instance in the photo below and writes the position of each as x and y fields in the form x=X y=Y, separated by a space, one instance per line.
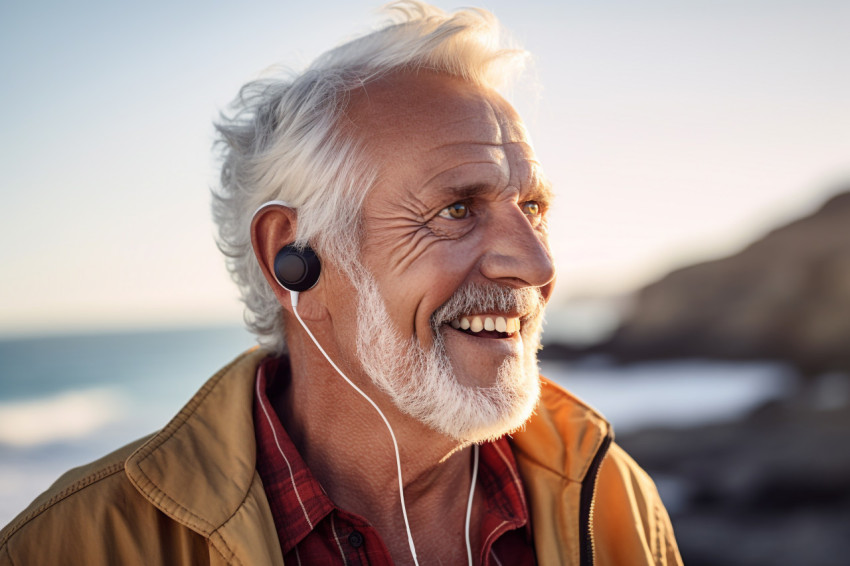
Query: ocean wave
x=66 y=416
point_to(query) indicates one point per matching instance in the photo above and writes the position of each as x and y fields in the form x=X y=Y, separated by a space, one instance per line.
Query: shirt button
x=356 y=539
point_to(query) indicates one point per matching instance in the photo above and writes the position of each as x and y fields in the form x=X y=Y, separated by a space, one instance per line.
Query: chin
x=487 y=413
x=425 y=386
x=423 y=383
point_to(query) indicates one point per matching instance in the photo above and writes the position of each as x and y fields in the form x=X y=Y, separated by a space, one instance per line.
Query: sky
x=672 y=131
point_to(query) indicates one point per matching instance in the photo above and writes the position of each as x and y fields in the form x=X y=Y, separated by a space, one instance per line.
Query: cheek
x=433 y=279
x=445 y=265
x=339 y=300
x=418 y=271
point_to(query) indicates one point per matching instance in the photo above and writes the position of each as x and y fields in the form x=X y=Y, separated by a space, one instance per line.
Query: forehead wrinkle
x=432 y=180
x=429 y=119
x=511 y=127
x=522 y=167
x=495 y=145
x=483 y=120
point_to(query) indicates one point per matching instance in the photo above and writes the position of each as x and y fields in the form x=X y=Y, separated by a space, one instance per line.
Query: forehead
x=425 y=119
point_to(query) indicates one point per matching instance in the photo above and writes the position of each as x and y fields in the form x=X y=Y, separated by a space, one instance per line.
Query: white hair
x=286 y=139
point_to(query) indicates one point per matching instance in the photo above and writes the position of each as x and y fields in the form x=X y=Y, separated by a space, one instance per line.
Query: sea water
x=67 y=400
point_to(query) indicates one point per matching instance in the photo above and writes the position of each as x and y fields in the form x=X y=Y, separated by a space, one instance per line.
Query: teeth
x=476 y=324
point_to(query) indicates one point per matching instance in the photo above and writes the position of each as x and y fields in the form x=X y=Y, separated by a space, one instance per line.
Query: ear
x=273 y=228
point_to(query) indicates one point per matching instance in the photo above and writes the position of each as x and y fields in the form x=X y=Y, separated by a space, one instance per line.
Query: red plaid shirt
x=312 y=530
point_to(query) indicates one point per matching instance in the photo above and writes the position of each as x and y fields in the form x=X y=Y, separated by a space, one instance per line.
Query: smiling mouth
x=484 y=326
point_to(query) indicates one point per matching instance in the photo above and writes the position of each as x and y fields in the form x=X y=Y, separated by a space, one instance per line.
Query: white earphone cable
x=294 y=300
x=469 y=503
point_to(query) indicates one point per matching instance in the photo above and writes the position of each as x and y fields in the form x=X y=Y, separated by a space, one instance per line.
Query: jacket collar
x=199 y=468
x=563 y=435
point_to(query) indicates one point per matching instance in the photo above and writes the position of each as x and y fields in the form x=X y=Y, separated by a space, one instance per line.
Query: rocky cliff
x=786 y=296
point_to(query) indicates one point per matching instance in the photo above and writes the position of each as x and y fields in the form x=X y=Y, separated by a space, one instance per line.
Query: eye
x=456 y=211
x=531 y=208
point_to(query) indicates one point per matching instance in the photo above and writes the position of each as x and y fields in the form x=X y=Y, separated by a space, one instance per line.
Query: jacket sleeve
x=631 y=525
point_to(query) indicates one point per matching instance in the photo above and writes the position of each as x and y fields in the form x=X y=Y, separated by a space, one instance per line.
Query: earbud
x=297 y=269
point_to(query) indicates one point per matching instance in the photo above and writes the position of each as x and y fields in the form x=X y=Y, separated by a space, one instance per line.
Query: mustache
x=489 y=297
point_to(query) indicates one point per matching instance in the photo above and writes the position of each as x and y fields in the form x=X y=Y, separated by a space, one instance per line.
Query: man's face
x=455 y=238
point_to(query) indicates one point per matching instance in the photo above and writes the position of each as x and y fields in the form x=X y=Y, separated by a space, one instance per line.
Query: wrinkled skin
x=460 y=199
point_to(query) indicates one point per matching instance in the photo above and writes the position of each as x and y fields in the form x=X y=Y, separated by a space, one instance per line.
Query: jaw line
x=423 y=384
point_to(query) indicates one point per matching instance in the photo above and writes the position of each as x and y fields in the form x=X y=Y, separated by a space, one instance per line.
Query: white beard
x=423 y=384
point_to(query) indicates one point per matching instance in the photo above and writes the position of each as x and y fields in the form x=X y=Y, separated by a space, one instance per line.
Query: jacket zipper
x=587 y=503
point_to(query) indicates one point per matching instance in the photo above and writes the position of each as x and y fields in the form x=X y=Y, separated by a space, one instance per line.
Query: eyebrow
x=465 y=191
x=541 y=188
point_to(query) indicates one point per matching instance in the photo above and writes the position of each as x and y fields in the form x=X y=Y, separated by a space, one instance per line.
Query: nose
x=517 y=254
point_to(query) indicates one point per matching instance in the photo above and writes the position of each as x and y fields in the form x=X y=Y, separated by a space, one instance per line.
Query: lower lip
x=511 y=345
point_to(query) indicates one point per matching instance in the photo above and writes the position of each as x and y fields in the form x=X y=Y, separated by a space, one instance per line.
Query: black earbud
x=297 y=269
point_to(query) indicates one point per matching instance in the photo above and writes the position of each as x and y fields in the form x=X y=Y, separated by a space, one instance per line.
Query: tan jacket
x=190 y=494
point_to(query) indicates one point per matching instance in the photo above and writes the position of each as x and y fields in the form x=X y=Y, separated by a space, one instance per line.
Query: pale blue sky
x=672 y=130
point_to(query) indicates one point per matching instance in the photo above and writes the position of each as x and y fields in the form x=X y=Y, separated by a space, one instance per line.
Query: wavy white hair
x=285 y=138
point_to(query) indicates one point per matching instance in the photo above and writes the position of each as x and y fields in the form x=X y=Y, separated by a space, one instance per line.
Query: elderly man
x=385 y=217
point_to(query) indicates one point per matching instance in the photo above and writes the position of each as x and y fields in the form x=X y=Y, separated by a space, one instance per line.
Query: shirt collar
x=296 y=498
x=502 y=489
x=298 y=502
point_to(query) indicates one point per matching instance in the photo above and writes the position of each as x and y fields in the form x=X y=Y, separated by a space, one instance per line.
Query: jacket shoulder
x=70 y=484
x=629 y=522
x=630 y=517
x=92 y=514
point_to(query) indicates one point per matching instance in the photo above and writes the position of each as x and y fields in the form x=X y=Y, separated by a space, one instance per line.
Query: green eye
x=531 y=208
x=456 y=211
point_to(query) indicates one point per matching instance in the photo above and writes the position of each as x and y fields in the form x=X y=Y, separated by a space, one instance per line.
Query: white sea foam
x=61 y=417
x=673 y=393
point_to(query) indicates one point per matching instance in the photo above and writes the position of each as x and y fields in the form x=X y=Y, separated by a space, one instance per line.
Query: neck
x=349 y=450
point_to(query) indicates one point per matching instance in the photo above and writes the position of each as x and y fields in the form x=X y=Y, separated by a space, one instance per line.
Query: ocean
x=67 y=400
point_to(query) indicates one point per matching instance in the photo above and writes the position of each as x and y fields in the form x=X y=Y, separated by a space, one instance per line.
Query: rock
x=771 y=489
x=786 y=296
